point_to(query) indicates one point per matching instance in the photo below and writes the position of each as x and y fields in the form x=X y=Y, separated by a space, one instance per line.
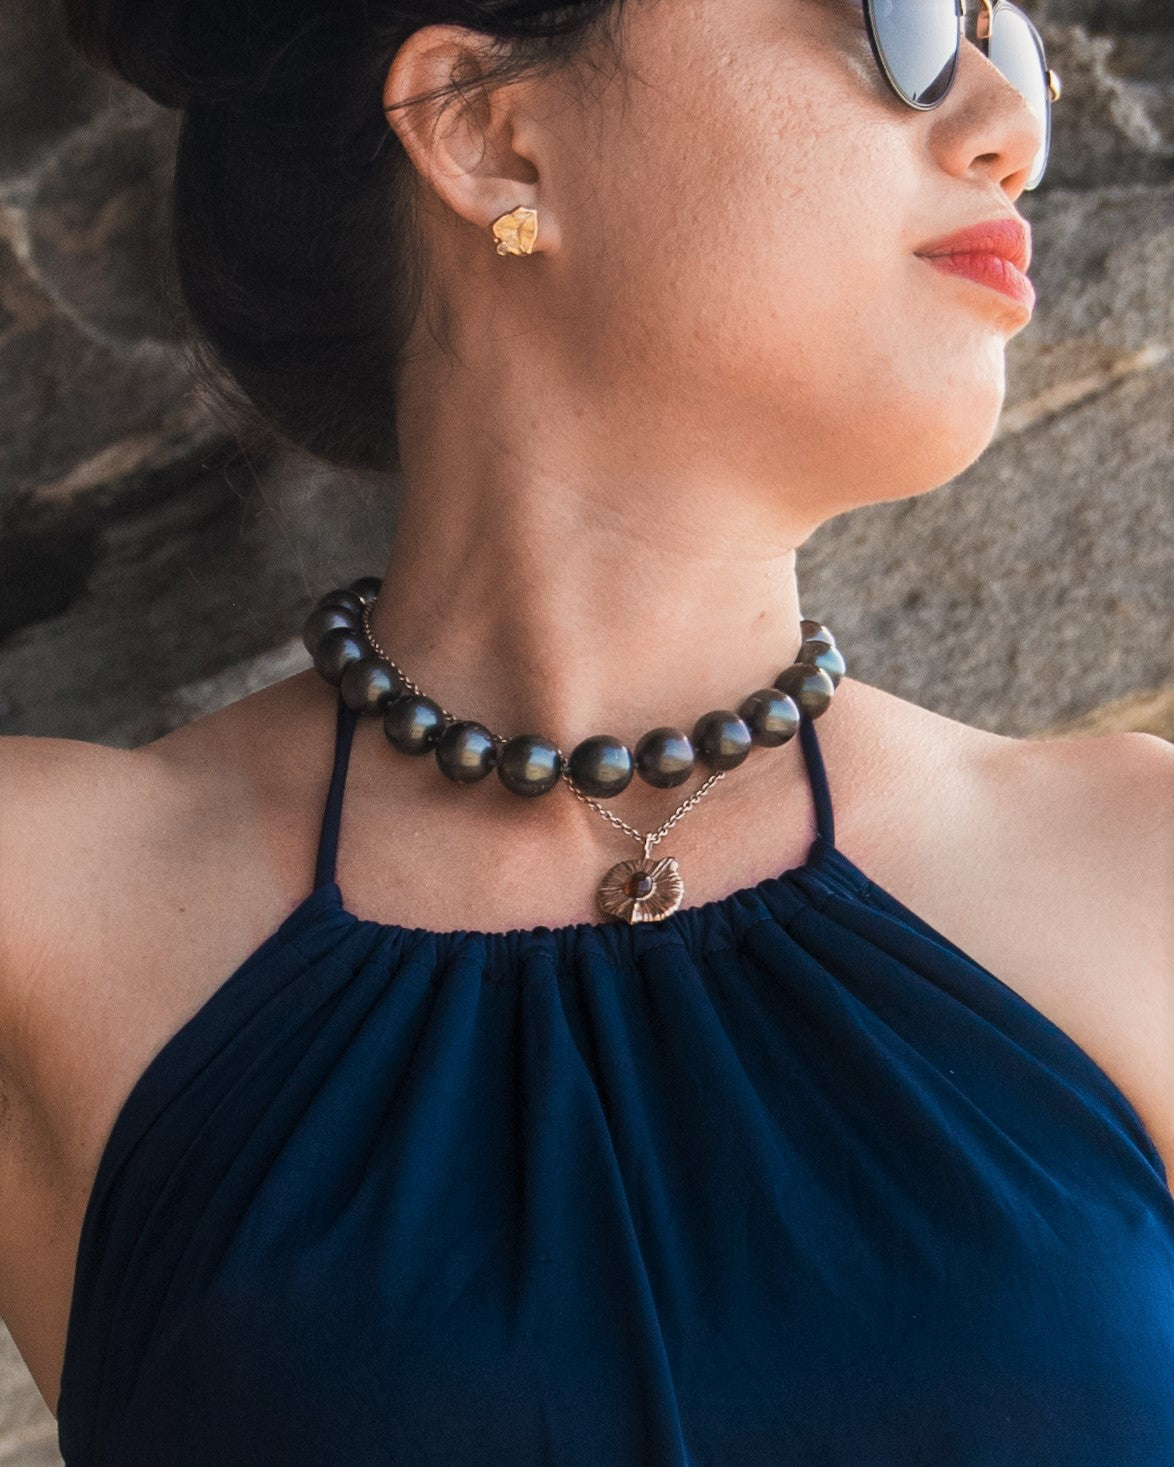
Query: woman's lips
x=988 y=269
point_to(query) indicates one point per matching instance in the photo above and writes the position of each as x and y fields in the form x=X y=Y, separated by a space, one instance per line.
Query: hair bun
x=181 y=51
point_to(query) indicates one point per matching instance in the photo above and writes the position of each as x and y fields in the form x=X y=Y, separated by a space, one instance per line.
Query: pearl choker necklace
x=337 y=634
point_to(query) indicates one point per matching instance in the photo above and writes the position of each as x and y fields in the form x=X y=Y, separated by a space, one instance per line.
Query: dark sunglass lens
x=918 y=44
x=1016 y=49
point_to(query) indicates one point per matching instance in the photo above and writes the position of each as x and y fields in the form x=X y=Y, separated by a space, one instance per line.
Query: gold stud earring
x=516 y=231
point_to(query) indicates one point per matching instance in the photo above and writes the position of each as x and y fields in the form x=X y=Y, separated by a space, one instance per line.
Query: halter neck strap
x=327 y=859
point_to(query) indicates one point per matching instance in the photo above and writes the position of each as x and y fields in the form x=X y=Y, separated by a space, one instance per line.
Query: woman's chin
x=916 y=445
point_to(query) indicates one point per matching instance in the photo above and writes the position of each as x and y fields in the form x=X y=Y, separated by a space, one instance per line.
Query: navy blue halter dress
x=786 y=1178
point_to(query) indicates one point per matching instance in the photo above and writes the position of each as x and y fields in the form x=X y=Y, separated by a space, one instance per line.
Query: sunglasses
x=916 y=44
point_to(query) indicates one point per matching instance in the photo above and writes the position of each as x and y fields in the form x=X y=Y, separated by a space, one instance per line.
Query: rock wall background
x=150 y=570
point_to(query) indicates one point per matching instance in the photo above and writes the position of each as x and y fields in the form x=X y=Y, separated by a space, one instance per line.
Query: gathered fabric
x=786 y=1178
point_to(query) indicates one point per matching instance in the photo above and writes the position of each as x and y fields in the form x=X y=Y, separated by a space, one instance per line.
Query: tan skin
x=603 y=494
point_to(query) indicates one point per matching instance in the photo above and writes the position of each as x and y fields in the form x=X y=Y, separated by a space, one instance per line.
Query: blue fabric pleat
x=784 y=1179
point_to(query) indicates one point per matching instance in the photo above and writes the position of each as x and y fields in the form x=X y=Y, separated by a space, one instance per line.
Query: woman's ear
x=478 y=150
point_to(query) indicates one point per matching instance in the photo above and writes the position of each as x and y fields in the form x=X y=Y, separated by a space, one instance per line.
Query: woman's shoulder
x=1127 y=774
x=1077 y=826
x=1048 y=860
x=1094 y=818
x=99 y=845
x=67 y=804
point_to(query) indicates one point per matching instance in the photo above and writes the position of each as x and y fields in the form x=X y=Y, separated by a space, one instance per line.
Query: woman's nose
x=985 y=126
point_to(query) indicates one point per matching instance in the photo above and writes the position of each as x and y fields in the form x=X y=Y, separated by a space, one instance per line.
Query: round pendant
x=644 y=890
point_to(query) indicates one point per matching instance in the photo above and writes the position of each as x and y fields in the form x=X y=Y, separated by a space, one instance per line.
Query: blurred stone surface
x=45 y=87
x=152 y=570
x=94 y=225
x=1113 y=120
x=28 y=1433
x=178 y=576
x=67 y=396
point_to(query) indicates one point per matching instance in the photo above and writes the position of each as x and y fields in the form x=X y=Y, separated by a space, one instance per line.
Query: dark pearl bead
x=366 y=587
x=337 y=650
x=664 y=757
x=326 y=619
x=771 y=716
x=413 y=724
x=815 y=631
x=639 y=884
x=721 y=739
x=810 y=687
x=370 y=684
x=529 y=765
x=466 y=752
x=601 y=766
x=829 y=658
x=346 y=599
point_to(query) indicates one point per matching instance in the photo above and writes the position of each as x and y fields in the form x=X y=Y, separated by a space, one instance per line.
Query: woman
x=834 y=1130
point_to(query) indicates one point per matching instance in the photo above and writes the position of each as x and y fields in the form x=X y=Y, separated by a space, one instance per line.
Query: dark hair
x=292 y=220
